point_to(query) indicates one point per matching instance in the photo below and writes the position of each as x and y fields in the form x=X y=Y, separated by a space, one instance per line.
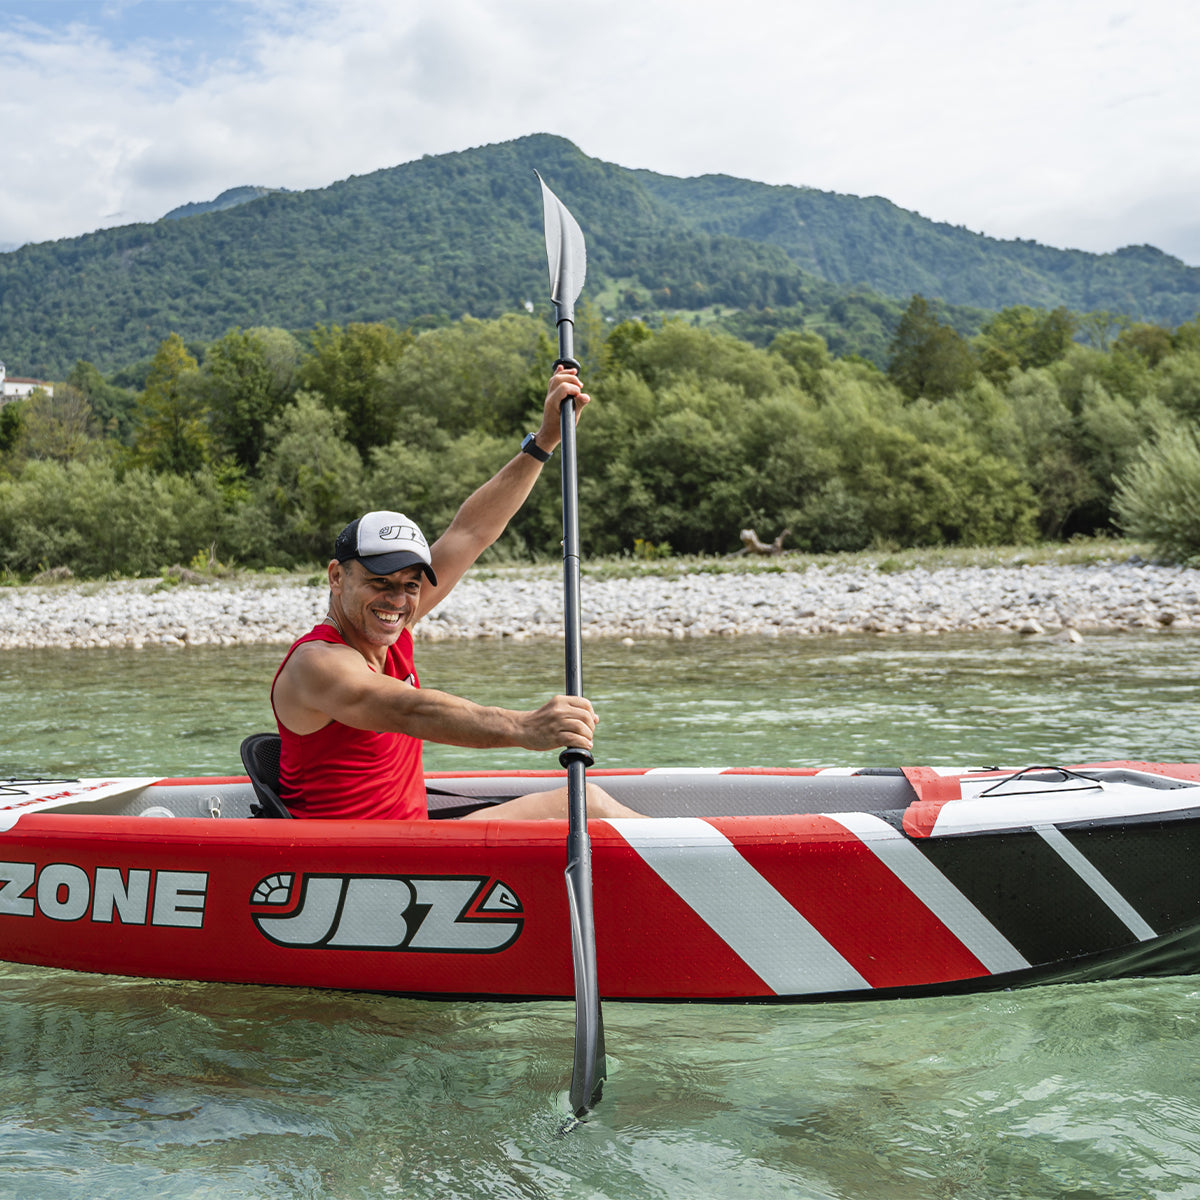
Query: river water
x=126 y=1088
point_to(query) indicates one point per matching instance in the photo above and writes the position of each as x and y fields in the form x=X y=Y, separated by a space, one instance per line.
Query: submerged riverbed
x=127 y=1088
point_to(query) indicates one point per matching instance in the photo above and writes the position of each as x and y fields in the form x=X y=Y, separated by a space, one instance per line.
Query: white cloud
x=1067 y=121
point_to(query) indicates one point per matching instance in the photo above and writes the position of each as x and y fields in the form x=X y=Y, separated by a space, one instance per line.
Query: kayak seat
x=260 y=757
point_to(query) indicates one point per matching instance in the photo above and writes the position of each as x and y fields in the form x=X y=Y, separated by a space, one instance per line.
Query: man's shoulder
x=321 y=647
x=318 y=655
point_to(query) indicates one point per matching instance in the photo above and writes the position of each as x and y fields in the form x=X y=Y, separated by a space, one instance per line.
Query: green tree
x=1187 y=335
x=346 y=368
x=1049 y=452
x=10 y=424
x=55 y=425
x=310 y=484
x=248 y=377
x=171 y=430
x=923 y=493
x=1152 y=342
x=589 y=336
x=429 y=481
x=621 y=345
x=1125 y=375
x=1111 y=428
x=678 y=484
x=1177 y=383
x=928 y=358
x=1100 y=326
x=681 y=352
x=1020 y=337
x=480 y=377
x=112 y=407
x=784 y=456
x=808 y=354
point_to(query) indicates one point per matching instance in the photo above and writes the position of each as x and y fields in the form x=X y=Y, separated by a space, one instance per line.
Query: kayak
x=748 y=885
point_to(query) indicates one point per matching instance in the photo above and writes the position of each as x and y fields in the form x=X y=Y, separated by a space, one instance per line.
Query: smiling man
x=352 y=715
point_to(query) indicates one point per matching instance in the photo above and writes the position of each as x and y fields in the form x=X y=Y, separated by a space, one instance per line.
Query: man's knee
x=601 y=804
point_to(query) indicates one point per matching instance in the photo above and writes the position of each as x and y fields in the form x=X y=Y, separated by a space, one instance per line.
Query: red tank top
x=354 y=774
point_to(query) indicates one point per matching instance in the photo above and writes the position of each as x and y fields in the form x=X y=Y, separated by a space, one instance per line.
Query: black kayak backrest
x=260 y=757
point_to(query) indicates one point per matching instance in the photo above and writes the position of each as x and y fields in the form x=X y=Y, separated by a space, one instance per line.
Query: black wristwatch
x=530 y=446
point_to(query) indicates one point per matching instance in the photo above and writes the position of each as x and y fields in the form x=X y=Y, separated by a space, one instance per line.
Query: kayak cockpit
x=662 y=792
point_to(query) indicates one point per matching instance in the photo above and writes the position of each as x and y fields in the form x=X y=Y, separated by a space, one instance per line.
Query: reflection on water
x=126 y=1088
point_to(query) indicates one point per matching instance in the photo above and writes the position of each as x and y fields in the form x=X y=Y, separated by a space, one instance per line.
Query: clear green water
x=129 y=1088
x=733 y=702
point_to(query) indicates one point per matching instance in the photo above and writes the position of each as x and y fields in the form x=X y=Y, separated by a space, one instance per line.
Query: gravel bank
x=526 y=603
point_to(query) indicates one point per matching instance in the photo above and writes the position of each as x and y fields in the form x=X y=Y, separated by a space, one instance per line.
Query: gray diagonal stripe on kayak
x=703 y=867
x=1117 y=904
x=935 y=891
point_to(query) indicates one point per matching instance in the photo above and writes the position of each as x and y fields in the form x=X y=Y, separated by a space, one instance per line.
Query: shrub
x=1158 y=497
x=80 y=515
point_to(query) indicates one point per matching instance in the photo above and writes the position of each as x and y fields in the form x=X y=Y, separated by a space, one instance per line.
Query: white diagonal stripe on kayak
x=934 y=890
x=1091 y=875
x=703 y=867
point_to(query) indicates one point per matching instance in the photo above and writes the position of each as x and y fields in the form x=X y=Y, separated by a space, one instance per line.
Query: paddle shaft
x=590 y=1067
x=572 y=619
x=566 y=256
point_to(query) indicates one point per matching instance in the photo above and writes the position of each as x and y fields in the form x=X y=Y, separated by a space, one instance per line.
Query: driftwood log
x=752 y=544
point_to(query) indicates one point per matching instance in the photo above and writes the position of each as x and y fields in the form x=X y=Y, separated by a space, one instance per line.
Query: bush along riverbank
x=256 y=448
x=1032 y=593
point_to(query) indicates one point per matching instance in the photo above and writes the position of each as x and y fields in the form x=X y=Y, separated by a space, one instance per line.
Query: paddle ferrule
x=566 y=347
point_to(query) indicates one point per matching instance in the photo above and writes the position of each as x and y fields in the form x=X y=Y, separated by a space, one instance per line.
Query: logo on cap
x=406 y=533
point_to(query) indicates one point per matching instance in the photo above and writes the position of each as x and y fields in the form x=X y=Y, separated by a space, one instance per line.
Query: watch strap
x=530 y=447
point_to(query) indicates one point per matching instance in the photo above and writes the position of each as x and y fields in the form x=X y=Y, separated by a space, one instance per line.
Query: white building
x=14 y=387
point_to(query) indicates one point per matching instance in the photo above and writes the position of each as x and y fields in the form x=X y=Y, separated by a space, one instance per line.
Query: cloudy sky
x=1072 y=122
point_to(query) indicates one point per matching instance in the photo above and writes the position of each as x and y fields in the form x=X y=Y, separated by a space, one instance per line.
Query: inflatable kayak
x=743 y=885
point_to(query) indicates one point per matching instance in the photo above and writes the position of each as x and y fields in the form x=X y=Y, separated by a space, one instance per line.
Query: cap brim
x=385 y=564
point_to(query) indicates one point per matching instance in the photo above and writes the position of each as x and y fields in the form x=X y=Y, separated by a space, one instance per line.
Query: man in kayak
x=352 y=715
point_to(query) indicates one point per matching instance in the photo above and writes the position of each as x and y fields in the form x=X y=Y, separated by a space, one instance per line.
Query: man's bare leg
x=542 y=806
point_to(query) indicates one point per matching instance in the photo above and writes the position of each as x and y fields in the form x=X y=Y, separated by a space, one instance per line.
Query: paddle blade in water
x=591 y=1066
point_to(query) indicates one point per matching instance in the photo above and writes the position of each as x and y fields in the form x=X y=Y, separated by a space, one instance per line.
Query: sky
x=1069 y=122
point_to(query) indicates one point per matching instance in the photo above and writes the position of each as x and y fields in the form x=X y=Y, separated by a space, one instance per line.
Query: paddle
x=567 y=256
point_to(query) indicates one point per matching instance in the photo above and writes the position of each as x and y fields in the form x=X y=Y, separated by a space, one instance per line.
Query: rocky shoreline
x=521 y=603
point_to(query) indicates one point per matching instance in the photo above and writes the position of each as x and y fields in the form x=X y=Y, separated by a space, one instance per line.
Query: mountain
x=227 y=199
x=455 y=234
x=848 y=239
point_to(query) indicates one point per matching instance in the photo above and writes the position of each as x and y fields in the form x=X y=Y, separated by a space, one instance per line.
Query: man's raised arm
x=485 y=514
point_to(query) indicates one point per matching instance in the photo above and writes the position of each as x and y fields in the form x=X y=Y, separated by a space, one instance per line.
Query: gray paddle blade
x=566 y=253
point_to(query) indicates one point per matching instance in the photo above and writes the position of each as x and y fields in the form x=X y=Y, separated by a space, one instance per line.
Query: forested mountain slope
x=848 y=239
x=430 y=241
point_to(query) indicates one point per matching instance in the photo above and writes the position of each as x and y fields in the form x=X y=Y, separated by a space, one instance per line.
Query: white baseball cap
x=384 y=542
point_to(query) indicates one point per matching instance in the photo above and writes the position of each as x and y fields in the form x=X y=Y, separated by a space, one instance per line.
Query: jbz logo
x=448 y=913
